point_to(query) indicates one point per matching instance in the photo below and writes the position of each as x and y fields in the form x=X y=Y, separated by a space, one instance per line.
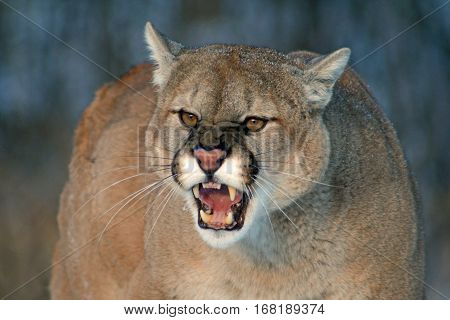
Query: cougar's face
x=242 y=128
x=238 y=148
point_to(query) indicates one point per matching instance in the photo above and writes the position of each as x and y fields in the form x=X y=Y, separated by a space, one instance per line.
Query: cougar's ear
x=163 y=52
x=321 y=74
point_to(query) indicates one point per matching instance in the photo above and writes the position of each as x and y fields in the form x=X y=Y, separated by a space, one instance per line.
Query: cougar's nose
x=209 y=160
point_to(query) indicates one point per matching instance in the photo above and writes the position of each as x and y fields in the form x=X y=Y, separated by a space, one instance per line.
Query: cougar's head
x=241 y=128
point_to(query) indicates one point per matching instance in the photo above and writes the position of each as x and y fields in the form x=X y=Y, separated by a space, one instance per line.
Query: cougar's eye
x=255 y=124
x=188 y=119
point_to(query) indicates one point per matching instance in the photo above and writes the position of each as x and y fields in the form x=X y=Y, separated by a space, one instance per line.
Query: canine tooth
x=205 y=217
x=232 y=192
x=229 y=219
x=196 y=192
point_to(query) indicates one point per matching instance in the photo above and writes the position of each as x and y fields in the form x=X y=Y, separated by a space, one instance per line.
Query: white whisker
x=117 y=212
x=273 y=200
x=267 y=211
x=144 y=190
x=287 y=195
x=114 y=170
x=167 y=185
x=302 y=178
x=159 y=215
x=104 y=189
x=155 y=184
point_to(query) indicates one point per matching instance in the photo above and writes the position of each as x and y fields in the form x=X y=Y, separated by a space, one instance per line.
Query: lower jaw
x=232 y=227
x=221 y=239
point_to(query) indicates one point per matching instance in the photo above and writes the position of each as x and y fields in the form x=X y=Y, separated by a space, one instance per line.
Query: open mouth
x=220 y=207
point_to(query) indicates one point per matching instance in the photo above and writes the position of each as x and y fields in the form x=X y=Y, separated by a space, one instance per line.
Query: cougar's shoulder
x=105 y=140
x=127 y=100
x=128 y=96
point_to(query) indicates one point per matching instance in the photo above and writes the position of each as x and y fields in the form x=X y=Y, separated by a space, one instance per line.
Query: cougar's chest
x=217 y=279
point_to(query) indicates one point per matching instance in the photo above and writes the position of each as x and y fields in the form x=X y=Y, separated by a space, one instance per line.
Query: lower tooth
x=229 y=218
x=205 y=217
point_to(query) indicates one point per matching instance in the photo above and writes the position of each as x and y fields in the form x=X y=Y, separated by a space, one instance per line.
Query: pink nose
x=209 y=160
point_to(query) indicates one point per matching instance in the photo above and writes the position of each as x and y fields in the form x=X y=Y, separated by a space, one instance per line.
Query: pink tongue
x=218 y=200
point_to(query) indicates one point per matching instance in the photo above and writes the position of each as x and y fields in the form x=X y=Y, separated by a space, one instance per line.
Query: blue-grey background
x=44 y=87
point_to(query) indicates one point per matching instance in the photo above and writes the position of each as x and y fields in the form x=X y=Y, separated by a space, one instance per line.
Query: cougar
x=237 y=172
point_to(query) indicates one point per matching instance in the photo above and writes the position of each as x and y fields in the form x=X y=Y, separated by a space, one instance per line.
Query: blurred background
x=45 y=85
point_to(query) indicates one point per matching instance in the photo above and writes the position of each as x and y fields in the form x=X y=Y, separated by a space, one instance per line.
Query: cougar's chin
x=221 y=213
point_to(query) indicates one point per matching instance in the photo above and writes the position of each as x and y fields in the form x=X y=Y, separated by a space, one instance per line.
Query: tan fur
x=357 y=235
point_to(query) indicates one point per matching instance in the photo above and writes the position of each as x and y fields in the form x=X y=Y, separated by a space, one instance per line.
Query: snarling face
x=242 y=129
